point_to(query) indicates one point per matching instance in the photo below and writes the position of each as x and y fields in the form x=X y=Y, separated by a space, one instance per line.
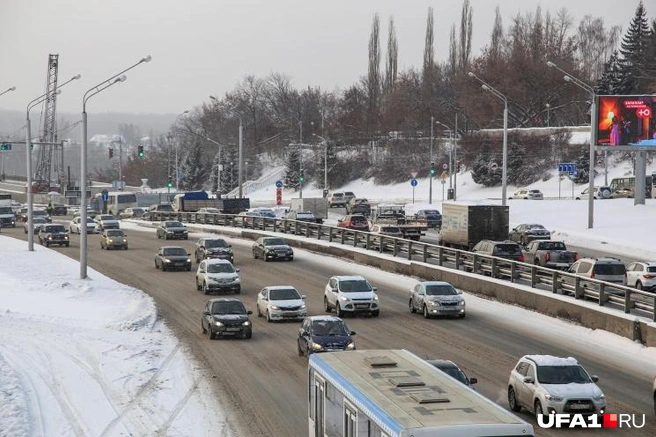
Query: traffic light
x=432 y=169
x=301 y=177
x=111 y=153
x=140 y=152
x=170 y=185
x=458 y=166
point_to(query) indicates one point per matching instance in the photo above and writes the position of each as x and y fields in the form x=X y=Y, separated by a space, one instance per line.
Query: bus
x=629 y=182
x=395 y=393
x=117 y=202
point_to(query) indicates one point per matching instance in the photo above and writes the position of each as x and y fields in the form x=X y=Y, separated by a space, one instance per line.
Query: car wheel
x=523 y=241
x=461 y=316
x=47 y=244
x=259 y=313
x=202 y=327
x=512 y=400
x=412 y=307
x=267 y=316
x=375 y=313
x=68 y=244
x=156 y=265
x=163 y=268
x=238 y=291
x=639 y=285
x=426 y=314
x=538 y=408
x=198 y=287
x=248 y=335
x=205 y=289
x=166 y=237
x=189 y=268
x=326 y=305
x=212 y=334
x=300 y=351
x=254 y=255
x=338 y=311
x=125 y=247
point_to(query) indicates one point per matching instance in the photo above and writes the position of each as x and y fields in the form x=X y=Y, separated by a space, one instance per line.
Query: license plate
x=579 y=406
x=362 y=305
x=233 y=329
x=179 y=264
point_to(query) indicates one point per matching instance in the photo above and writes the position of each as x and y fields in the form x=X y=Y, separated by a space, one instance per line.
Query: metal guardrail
x=627 y=299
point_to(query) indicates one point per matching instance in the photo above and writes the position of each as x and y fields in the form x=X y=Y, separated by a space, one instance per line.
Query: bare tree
x=464 y=53
x=392 y=58
x=429 y=51
x=453 y=51
x=497 y=35
x=595 y=45
x=373 y=78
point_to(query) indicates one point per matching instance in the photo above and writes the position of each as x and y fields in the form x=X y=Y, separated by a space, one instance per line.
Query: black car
x=40 y=213
x=451 y=369
x=324 y=334
x=172 y=229
x=358 y=205
x=527 y=232
x=271 y=248
x=59 y=210
x=172 y=258
x=226 y=316
x=50 y=234
x=213 y=247
x=432 y=217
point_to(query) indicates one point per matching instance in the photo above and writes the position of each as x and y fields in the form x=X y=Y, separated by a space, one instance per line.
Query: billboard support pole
x=593 y=141
x=640 y=180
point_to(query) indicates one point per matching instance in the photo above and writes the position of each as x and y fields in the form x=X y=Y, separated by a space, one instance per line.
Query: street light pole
x=119 y=77
x=504 y=165
x=430 y=175
x=177 y=146
x=593 y=140
x=300 y=147
x=241 y=157
x=13 y=88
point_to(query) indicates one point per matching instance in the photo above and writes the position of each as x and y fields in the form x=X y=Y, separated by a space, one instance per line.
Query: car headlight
x=461 y=303
x=275 y=307
x=303 y=306
x=317 y=347
x=433 y=303
x=50 y=237
x=167 y=260
x=188 y=260
x=246 y=323
x=110 y=240
x=343 y=298
x=185 y=231
x=218 y=323
x=237 y=280
x=375 y=297
x=553 y=398
x=65 y=237
x=350 y=346
x=599 y=397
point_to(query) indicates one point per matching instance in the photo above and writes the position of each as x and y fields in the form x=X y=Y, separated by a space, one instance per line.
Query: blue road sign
x=568 y=167
x=414 y=182
x=105 y=195
x=278 y=184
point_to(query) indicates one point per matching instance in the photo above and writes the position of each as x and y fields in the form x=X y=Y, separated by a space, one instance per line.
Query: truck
x=465 y=224
x=393 y=214
x=192 y=201
x=316 y=205
x=551 y=254
x=7 y=215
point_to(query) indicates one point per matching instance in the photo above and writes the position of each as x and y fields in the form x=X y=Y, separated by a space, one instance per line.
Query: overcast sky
x=203 y=47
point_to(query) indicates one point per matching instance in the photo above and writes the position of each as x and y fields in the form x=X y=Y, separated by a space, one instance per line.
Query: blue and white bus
x=394 y=393
x=117 y=202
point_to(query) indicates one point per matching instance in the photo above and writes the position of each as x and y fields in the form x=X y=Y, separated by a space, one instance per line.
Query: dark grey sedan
x=172 y=229
x=172 y=258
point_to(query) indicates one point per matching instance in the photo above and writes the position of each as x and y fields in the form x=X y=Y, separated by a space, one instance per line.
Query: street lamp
x=548 y=114
x=177 y=146
x=504 y=166
x=593 y=109
x=13 y=88
x=119 y=77
x=28 y=147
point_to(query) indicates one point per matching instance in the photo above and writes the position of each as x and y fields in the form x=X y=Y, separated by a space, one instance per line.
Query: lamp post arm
x=142 y=60
x=13 y=88
x=98 y=89
x=575 y=80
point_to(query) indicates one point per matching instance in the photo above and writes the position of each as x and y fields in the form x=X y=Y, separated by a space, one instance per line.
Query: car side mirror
x=188 y=254
x=249 y=312
x=473 y=380
x=206 y=313
x=594 y=378
x=237 y=270
x=374 y=288
x=335 y=290
x=528 y=380
x=303 y=296
x=352 y=332
x=229 y=245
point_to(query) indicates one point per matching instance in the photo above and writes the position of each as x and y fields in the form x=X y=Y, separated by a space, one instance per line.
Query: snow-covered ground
x=90 y=357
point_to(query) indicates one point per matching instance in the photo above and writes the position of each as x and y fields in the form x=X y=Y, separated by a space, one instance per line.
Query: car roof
x=324 y=318
x=550 y=360
x=280 y=287
x=604 y=260
x=443 y=364
x=170 y=247
x=224 y=299
x=349 y=278
x=216 y=261
x=424 y=283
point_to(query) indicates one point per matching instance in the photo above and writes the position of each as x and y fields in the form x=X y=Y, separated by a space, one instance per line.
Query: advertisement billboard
x=626 y=121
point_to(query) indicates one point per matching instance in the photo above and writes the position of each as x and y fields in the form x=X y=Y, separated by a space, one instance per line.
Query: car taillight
x=576 y=256
x=592 y=275
x=648 y=276
x=547 y=257
x=520 y=258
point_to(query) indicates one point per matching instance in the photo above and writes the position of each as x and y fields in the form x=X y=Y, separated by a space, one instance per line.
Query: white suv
x=350 y=295
x=641 y=275
x=217 y=275
x=545 y=384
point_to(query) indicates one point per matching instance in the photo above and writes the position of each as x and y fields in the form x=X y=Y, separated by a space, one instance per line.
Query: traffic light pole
x=120 y=163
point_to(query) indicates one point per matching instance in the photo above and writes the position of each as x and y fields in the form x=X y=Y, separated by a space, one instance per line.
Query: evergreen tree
x=293 y=169
x=582 y=166
x=230 y=172
x=633 y=49
x=482 y=173
x=214 y=174
x=610 y=80
x=192 y=169
x=516 y=164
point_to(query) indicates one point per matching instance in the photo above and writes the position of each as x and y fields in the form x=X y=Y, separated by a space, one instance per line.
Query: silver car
x=281 y=302
x=436 y=298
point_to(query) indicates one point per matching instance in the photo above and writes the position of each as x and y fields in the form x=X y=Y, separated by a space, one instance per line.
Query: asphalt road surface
x=262 y=381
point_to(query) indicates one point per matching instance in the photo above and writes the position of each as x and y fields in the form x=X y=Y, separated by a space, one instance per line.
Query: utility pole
x=169 y=139
x=120 y=162
x=430 y=176
x=455 y=159
x=300 y=146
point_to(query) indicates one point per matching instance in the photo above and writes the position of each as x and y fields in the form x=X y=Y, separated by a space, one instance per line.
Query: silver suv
x=340 y=198
x=603 y=269
x=350 y=295
x=545 y=384
x=436 y=298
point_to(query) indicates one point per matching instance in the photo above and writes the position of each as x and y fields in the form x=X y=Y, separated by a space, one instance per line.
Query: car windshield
x=6 y=210
x=56 y=228
x=349 y=193
x=358 y=219
x=534 y=191
x=430 y=212
x=609 y=269
x=553 y=245
x=440 y=290
x=220 y=268
x=390 y=229
x=107 y=217
x=454 y=372
x=507 y=249
x=532 y=227
x=307 y=215
x=39 y=212
x=39 y=220
x=651 y=269
x=175 y=251
x=284 y=294
x=354 y=286
x=562 y=375
x=273 y=242
x=210 y=244
x=173 y=225
x=326 y=328
x=228 y=307
x=115 y=233
x=268 y=214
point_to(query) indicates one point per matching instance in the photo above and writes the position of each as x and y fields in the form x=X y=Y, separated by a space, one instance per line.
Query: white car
x=641 y=275
x=598 y=192
x=75 y=225
x=527 y=194
x=209 y=210
x=545 y=384
x=107 y=221
x=350 y=295
x=281 y=302
x=217 y=275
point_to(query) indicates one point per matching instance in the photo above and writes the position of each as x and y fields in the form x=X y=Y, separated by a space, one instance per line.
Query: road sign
x=5 y=146
x=414 y=182
x=278 y=184
x=444 y=175
x=278 y=196
x=414 y=174
x=568 y=167
x=445 y=166
x=105 y=195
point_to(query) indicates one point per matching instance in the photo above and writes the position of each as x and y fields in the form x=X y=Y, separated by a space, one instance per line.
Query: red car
x=357 y=222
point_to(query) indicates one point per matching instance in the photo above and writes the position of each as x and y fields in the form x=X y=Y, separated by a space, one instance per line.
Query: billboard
x=626 y=120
